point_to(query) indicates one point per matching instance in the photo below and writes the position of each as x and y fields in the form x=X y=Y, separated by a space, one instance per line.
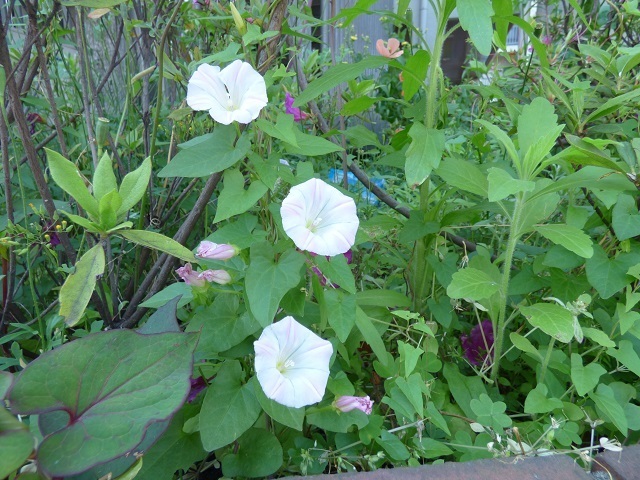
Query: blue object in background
x=336 y=176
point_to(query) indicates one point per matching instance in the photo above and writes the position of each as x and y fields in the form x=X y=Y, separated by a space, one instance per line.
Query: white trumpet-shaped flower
x=236 y=93
x=319 y=218
x=292 y=363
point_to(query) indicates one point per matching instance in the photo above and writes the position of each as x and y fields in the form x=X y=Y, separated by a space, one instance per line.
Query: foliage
x=509 y=201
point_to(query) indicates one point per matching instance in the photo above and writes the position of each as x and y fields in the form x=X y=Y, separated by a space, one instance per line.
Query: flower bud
x=347 y=403
x=237 y=18
x=221 y=277
x=215 y=251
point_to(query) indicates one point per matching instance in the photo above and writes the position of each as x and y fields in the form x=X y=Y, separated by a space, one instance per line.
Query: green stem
x=499 y=326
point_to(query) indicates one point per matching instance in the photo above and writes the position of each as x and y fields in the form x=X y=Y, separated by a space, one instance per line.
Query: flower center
x=313 y=226
x=284 y=366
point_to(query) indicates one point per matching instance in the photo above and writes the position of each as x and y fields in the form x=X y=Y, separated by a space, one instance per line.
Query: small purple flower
x=298 y=115
x=215 y=251
x=201 y=4
x=347 y=403
x=547 y=40
x=32 y=119
x=478 y=343
x=197 y=385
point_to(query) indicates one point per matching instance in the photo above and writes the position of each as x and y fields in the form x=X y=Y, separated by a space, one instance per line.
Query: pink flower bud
x=347 y=403
x=221 y=277
x=215 y=251
x=190 y=277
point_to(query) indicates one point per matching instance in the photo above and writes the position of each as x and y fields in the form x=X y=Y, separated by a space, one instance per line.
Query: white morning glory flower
x=319 y=218
x=292 y=363
x=236 y=93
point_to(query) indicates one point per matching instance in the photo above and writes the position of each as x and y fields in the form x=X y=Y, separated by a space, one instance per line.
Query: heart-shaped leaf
x=571 y=238
x=625 y=218
x=16 y=443
x=234 y=199
x=111 y=386
x=537 y=401
x=473 y=284
x=609 y=276
x=280 y=276
x=229 y=408
x=584 y=378
x=259 y=454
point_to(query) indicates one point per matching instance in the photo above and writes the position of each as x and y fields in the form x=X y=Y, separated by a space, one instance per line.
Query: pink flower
x=347 y=403
x=196 y=279
x=215 y=251
x=390 y=50
x=220 y=277
x=298 y=115
x=190 y=277
x=319 y=218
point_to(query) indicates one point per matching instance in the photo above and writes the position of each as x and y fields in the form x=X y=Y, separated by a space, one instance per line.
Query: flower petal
x=292 y=363
x=319 y=218
x=393 y=44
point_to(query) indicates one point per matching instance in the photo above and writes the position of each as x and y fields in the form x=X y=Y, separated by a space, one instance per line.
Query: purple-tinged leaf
x=112 y=385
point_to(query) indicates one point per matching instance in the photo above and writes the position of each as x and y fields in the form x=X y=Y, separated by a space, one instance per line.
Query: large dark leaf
x=112 y=386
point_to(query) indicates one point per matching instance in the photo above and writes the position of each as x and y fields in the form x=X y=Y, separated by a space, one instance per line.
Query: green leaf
x=503 y=138
x=229 y=408
x=613 y=105
x=626 y=355
x=584 y=378
x=179 y=289
x=537 y=401
x=133 y=186
x=291 y=417
x=83 y=222
x=16 y=443
x=490 y=413
x=222 y=325
x=552 y=319
x=523 y=344
x=625 y=218
x=109 y=205
x=336 y=421
x=69 y=178
x=571 y=238
x=336 y=75
x=534 y=123
x=415 y=72
x=258 y=454
x=599 y=337
x=609 y=277
x=281 y=276
x=382 y=298
x=463 y=389
x=412 y=389
x=475 y=18
x=208 y=154
x=311 y=145
x=424 y=153
x=78 y=287
x=341 y=312
x=337 y=270
x=104 y=180
x=163 y=320
x=464 y=175
x=393 y=446
x=609 y=408
x=234 y=199
x=409 y=355
x=473 y=284
x=113 y=385
x=430 y=448
x=159 y=242
x=284 y=129
x=358 y=105
x=371 y=335
x=589 y=154
x=176 y=450
x=6 y=380
x=502 y=184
